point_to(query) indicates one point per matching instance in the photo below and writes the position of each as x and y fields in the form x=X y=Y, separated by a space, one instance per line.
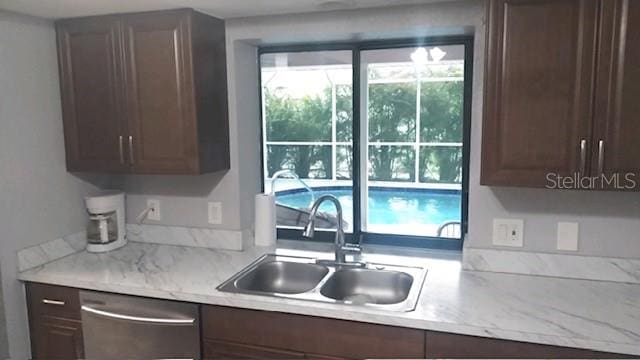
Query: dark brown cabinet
x=229 y=350
x=145 y=93
x=234 y=333
x=297 y=335
x=54 y=322
x=90 y=83
x=58 y=339
x=556 y=99
x=617 y=124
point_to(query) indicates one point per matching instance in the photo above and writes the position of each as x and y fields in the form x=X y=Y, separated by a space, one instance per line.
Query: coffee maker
x=106 y=230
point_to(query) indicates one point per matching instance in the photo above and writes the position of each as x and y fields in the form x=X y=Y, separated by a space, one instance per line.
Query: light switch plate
x=215 y=213
x=567 y=236
x=508 y=232
x=154 y=213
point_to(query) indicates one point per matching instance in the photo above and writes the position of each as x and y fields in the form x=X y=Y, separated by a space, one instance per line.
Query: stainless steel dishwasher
x=128 y=327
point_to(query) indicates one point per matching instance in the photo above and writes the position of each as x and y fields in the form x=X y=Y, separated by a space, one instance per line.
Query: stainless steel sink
x=391 y=287
x=366 y=286
x=282 y=277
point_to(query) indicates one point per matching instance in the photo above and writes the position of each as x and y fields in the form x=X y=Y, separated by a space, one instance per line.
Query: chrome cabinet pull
x=601 y=157
x=121 y=145
x=583 y=155
x=131 y=149
x=113 y=315
x=53 y=302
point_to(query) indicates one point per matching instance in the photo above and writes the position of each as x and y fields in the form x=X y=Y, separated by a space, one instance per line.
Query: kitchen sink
x=366 y=286
x=282 y=277
x=390 y=287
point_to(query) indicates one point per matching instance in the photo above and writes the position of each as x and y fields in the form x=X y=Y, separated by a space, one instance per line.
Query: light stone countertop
x=596 y=315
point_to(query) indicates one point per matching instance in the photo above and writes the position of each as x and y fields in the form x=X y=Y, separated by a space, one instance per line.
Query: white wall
x=4 y=344
x=609 y=222
x=40 y=201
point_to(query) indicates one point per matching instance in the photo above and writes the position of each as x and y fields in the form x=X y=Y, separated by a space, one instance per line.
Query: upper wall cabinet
x=144 y=93
x=90 y=81
x=617 y=108
x=558 y=96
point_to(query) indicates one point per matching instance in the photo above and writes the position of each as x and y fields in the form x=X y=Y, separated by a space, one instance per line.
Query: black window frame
x=429 y=242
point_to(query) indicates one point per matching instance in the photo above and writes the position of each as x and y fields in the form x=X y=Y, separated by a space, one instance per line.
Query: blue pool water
x=388 y=206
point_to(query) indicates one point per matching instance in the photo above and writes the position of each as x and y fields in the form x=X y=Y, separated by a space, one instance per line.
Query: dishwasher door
x=128 y=327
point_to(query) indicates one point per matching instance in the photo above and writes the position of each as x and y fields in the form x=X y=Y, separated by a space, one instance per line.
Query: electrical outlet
x=215 y=213
x=567 y=236
x=154 y=213
x=508 y=232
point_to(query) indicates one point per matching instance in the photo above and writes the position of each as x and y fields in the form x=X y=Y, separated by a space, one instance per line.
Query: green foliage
x=344 y=113
x=306 y=119
x=441 y=164
x=392 y=118
x=441 y=111
x=392 y=112
x=441 y=106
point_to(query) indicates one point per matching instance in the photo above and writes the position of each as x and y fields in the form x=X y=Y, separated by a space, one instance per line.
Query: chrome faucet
x=340 y=247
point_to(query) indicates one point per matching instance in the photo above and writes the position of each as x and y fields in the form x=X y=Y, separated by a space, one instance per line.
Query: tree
x=441 y=106
x=306 y=119
x=392 y=118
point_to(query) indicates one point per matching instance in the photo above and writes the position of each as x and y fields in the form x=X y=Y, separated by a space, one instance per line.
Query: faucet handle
x=352 y=248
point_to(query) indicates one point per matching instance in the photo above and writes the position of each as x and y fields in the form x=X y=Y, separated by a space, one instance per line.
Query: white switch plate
x=215 y=213
x=508 y=232
x=154 y=213
x=568 y=236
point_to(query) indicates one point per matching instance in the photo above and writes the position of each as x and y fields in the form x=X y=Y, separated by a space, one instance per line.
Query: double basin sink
x=390 y=287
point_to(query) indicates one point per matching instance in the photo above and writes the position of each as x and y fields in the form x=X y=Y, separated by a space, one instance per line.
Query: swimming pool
x=390 y=210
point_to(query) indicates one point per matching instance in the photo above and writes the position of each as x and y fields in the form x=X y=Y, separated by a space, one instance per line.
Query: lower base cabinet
x=54 y=321
x=58 y=339
x=271 y=334
x=229 y=350
x=252 y=334
x=233 y=333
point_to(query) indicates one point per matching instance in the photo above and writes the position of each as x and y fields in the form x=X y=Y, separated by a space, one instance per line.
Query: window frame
x=366 y=238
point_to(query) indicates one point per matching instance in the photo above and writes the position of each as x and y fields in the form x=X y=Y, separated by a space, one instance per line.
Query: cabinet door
x=89 y=51
x=314 y=336
x=228 y=350
x=58 y=339
x=538 y=90
x=617 y=123
x=160 y=92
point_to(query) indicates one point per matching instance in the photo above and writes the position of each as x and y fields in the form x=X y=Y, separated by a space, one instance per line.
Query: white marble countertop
x=594 y=315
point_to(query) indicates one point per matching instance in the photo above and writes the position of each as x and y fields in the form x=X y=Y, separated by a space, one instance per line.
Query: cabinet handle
x=131 y=149
x=121 y=145
x=53 y=302
x=583 y=155
x=601 y=157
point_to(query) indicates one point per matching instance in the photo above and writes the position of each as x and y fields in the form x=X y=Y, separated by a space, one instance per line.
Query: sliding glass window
x=382 y=126
x=307 y=117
